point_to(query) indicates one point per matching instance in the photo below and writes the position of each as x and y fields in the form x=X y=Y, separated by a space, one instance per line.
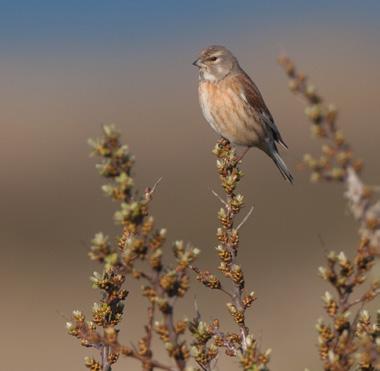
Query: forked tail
x=285 y=172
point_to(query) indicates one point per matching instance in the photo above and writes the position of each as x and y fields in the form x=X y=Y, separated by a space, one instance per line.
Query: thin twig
x=152 y=363
x=149 y=326
x=226 y=292
x=104 y=357
x=219 y=198
x=363 y=299
x=150 y=190
x=245 y=218
x=156 y=184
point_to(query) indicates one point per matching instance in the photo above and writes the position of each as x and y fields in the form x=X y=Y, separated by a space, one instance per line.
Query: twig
x=362 y=300
x=245 y=218
x=150 y=190
x=104 y=357
x=156 y=184
x=219 y=198
x=149 y=327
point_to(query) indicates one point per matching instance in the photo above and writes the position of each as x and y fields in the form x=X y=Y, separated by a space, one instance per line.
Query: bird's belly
x=229 y=117
x=207 y=113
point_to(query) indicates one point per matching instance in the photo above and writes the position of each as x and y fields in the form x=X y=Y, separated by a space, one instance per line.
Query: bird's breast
x=207 y=95
x=228 y=113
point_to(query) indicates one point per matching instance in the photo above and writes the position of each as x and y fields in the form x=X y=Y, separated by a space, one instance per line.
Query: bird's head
x=215 y=63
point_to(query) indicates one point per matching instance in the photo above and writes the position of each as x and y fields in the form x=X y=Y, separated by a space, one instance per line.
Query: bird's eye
x=213 y=59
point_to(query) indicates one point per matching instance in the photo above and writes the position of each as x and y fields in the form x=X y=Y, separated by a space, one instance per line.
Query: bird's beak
x=196 y=63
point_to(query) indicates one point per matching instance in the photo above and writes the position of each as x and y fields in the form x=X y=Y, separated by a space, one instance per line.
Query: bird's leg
x=242 y=154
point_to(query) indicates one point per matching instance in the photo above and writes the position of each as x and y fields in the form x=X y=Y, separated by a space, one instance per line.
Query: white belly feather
x=205 y=106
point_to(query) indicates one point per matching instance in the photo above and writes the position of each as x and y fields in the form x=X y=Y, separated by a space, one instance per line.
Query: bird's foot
x=241 y=156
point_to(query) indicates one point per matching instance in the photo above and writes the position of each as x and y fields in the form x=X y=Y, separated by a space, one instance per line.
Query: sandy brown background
x=56 y=90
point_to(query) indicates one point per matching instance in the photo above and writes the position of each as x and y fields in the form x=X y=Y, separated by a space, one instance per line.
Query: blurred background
x=67 y=67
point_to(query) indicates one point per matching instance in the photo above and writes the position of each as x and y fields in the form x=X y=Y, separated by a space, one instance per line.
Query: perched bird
x=233 y=106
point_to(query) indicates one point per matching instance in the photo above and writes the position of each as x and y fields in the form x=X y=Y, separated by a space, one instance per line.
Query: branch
x=208 y=337
x=150 y=191
x=340 y=340
x=219 y=198
x=245 y=218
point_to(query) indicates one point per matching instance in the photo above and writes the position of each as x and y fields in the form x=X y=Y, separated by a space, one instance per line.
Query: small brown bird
x=233 y=106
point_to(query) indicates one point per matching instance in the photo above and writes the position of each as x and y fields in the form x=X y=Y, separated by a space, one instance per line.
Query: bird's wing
x=251 y=94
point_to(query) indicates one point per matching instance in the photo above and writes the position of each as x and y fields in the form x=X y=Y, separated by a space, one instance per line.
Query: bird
x=233 y=106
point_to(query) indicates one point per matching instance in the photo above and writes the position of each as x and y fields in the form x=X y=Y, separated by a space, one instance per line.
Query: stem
x=104 y=357
x=230 y=175
x=169 y=323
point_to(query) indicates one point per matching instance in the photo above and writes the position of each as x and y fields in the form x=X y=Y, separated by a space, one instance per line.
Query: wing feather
x=251 y=94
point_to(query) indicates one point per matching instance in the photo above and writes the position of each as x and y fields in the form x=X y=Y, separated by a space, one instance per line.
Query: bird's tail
x=285 y=172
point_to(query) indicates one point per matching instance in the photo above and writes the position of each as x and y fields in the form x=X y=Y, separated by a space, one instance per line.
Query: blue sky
x=40 y=24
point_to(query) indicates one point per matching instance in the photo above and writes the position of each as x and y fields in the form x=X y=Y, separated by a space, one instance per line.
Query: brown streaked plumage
x=234 y=107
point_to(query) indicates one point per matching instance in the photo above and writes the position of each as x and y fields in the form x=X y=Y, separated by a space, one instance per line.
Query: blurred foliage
x=348 y=340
